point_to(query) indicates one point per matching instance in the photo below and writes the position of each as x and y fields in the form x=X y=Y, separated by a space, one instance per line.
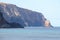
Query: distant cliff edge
x=13 y=15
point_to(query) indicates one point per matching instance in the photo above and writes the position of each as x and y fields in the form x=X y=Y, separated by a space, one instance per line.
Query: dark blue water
x=30 y=34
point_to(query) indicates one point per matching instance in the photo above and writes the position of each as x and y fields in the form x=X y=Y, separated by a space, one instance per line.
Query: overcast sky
x=49 y=8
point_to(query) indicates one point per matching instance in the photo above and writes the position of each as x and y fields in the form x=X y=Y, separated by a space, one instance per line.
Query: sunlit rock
x=47 y=23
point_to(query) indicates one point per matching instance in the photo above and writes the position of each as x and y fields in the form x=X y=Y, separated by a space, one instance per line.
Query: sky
x=49 y=8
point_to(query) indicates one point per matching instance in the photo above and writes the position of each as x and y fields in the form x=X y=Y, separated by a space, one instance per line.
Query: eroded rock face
x=47 y=23
x=5 y=24
x=25 y=17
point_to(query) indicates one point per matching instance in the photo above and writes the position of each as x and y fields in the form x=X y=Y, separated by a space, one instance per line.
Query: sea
x=30 y=33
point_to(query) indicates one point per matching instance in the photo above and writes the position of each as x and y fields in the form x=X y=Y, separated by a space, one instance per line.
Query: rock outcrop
x=47 y=24
x=13 y=14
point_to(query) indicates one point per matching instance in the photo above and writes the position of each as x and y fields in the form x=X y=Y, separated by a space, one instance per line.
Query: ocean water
x=35 y=33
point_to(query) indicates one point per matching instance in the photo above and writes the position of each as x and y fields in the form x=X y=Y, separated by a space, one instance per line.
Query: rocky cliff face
x=13 y=14
x=5 y=24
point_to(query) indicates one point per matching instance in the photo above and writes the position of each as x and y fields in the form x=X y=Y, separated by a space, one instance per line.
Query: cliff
x=5 y=24
x=13 y=14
